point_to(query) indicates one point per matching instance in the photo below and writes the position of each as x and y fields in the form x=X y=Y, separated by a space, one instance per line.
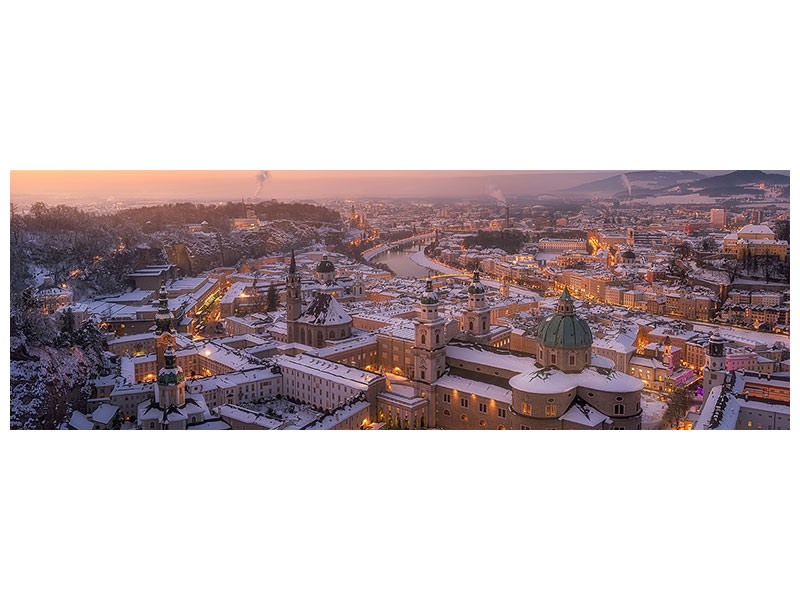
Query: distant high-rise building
x=718 y=218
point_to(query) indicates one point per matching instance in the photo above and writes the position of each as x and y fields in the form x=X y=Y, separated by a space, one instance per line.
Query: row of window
x=482 y=406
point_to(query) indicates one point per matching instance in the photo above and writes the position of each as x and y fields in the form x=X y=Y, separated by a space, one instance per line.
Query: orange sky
x=78 y=186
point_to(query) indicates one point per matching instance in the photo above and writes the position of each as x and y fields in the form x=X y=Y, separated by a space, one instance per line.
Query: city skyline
x=629 y=300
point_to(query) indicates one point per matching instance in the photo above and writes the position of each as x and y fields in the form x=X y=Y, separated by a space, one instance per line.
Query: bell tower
x=476 y=320
x=429 y=353
x=165 y=333
x=294 y=303
x=170 y=386
x=714 y=370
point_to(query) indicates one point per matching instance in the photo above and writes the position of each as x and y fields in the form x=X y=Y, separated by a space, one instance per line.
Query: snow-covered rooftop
x=550 y=380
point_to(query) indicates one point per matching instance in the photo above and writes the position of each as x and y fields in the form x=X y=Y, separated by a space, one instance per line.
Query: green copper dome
x=565 y=331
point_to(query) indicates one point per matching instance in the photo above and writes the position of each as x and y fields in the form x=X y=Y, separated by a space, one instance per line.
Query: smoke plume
x=498 y=195
x=260 y=179
x=627 y=184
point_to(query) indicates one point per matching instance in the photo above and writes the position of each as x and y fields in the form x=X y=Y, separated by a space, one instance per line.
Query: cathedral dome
x=325 y=266
x=564 y=329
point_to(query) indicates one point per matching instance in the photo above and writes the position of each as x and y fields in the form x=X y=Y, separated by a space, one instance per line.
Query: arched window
x=552 y=359
x=619 y=409
x=437 y=337
x=572 y=359
x=471 y=323
x=422 y=338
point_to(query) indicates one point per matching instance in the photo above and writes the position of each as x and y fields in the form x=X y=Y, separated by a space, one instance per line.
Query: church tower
x=429 y=353
x=294 y=304
x=170 y=385
x=714 y=369
x=165 y=333
x=358 y=285
x=476 y=320
x=667 y=357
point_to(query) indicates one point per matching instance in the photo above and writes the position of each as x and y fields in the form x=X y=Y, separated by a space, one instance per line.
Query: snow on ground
x=743 y=335
x=652 y=410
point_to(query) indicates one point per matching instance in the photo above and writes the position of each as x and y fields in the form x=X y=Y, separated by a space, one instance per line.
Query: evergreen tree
x=68 y=321
x=272 y=298
x=678 y=405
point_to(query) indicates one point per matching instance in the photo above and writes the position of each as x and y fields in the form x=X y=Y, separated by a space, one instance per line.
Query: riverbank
x=420 y=259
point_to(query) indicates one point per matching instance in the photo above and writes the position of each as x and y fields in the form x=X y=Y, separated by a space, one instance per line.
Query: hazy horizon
x=77 y=187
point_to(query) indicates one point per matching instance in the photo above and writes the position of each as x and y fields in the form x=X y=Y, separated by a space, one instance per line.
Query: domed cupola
x=716 y=345
x=476 y=287
x=429 y=303
x=325 y=269
x=565 y=339
x=170 y=386
x=171 y=373
x=429 y=296
x=325 y=265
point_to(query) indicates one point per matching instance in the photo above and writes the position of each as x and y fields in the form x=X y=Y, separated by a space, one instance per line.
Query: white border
x=414 y=85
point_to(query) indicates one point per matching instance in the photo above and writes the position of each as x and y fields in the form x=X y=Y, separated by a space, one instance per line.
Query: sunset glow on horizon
x=55 y=186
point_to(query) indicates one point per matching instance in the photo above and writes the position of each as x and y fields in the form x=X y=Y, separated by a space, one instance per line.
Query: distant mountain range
x=640 y=184
x=640 y=181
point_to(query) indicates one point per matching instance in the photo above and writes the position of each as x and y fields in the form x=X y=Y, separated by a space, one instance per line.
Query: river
x=399 y=261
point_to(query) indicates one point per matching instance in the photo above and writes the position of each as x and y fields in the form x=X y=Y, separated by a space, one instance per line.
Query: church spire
x=163 y=315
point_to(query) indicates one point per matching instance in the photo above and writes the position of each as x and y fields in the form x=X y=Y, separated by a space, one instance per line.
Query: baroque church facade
x=471 y=385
